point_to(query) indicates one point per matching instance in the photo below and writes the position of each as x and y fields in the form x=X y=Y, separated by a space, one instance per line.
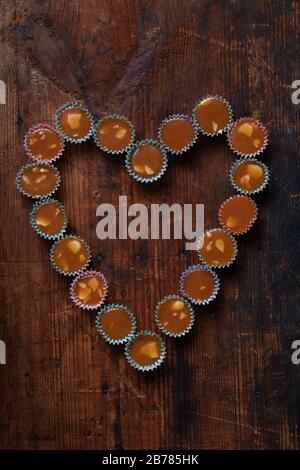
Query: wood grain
x=230 y=384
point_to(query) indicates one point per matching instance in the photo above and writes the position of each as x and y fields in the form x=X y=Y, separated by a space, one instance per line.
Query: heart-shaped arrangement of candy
x=146 y=161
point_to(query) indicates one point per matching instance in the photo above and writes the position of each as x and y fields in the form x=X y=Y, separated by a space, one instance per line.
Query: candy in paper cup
x=213 y=115
x=89 y=290
x=38 y=180
x=237 y=214
x=217 y=248
x=116 y=324
x=199 y=284
x=247 y=137
x=43 y=143
x=114 y=134
x=70 y=255
x=146 y=161
x=74 y=122
x=249 y=176
x=49 y=219
x=178 y=133
x=145 y=351
x=174 y=316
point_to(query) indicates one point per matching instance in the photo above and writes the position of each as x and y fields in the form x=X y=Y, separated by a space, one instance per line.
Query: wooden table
x=230 y=384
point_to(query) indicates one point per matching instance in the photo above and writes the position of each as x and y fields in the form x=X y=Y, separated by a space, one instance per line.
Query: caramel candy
x=213 y=115
x=200 y=284
x=237 y=214
x=248 y=137
x=147 y=160
x=89 y=289
x=218 y=249
x=174 y=315
x=75 y=123
x=37 y=180
x=70 y=255
x=114 y=134
x=116 y=324
x=145 y=350
x=249 y=175
x=177 y=133
x=49 y=218
x=43 y=143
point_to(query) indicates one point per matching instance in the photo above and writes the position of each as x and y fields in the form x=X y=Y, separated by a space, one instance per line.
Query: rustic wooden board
x=230 y=384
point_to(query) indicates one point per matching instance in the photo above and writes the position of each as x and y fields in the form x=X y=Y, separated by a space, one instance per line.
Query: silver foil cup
x=105 y=335
x=201 y=267
x=150 y=367
x=69 y=273
x=103 y=147
x=28 y=165
x=175 y=117
x=161 y=326
x=74 y=104
x=223 y=100
x=233 y=169
x=41 y=126
x=199 y=244
x=130 y=169
x=246 y=119
x=39 y=231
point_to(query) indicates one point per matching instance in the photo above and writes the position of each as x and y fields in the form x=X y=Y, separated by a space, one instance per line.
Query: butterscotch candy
x=174 y=316
x=178 y=133
x=213 y=115
x=217 y=248
x=89 y=290
x=146 y=161
x=43 y=143
x=114 y=134
x=70 y=255
x=248 y=137
x=200 y=284
x=74 y=122
x=249 y=176
x=38 y=180
x=116 y=323
x=238 y=214
x=49 y=219
x=145 y=351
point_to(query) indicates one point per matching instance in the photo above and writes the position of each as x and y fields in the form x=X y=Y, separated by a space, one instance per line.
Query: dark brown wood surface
x=230 y=384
